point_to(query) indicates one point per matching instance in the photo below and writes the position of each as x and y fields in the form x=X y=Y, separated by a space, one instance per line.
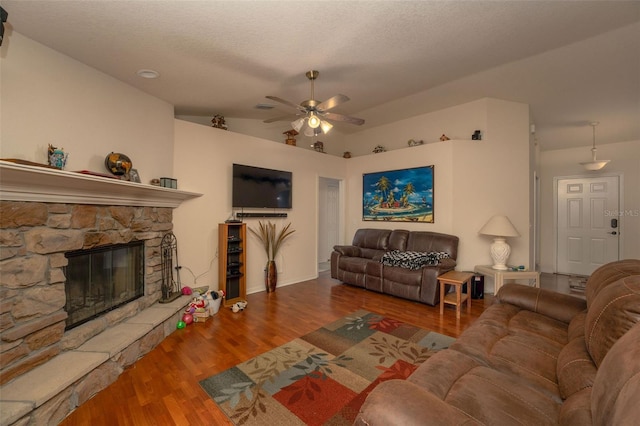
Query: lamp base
x=500 y=252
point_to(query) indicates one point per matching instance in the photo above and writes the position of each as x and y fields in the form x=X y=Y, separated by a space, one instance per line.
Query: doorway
x=588 y=233
x=328 y=220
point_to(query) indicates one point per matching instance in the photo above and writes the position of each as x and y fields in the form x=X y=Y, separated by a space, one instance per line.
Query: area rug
x=324 y=377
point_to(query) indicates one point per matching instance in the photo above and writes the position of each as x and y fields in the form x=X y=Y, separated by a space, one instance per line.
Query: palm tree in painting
x=408 y=190
x=383 y=185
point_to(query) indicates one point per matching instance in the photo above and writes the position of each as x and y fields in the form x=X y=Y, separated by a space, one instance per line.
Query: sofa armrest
x=351 y=251
x=400 y=402
x=562 y=307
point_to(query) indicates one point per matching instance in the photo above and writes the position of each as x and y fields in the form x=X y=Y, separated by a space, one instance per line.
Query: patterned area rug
x=324 y=377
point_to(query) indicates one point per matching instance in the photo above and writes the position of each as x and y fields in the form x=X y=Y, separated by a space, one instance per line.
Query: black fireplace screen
x=102 y=279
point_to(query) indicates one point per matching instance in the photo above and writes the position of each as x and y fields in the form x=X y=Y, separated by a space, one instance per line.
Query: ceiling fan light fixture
x=325 y=126
x=310 y=132
x=297 y=125
x=313 y=121
x=594 y=164
x=148 y=73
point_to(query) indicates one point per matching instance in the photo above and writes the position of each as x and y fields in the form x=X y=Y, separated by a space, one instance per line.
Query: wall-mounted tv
x=255 y=187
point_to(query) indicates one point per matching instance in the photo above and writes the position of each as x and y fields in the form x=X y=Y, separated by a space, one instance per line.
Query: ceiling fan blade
x=285 y=102
x=345 y=118
x=332 y=102
x=280 y=118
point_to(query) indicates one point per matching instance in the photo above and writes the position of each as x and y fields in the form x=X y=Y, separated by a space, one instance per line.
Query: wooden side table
x=500 y=276
x=457 y=279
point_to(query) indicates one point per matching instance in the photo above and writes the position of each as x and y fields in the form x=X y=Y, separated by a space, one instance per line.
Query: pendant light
x=594 y=164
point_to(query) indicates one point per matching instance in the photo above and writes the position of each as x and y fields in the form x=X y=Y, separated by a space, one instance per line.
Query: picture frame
x=404 y=195
x=134 y=176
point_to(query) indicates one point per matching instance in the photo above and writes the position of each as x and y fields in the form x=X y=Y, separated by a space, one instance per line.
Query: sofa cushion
x=433 y=241
x=412 y=259
x=517 y=342
x=372 y=238
x=608 y=274
x=351 y=251
x=576 y=370
x=353 y=264
x=398 y=239
x=576 y=410
x=614 y=396
x=489 y=396
x=576 y=326
x=612 y=314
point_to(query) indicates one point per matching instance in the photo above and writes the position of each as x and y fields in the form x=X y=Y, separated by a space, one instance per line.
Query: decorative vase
x=271 y=276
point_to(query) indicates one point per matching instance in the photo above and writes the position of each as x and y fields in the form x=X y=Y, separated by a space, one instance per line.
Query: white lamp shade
x=499 y=226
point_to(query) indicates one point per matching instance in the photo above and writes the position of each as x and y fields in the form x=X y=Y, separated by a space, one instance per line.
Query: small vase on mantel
x=270 y=276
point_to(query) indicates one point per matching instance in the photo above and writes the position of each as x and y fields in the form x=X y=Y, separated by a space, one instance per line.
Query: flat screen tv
x=255 y=187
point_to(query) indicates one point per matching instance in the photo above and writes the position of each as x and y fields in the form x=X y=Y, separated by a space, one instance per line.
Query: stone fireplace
x=35 y=238
x=46 y=218
x=101 y=279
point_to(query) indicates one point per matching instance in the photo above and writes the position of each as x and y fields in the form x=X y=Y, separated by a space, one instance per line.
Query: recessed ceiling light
x=148 y=74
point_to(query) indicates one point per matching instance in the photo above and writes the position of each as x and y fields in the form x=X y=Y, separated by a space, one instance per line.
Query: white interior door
x=588 y=233
x=328 y=216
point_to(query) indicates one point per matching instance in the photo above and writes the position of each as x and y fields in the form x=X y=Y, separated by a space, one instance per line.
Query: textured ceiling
x=572 y=61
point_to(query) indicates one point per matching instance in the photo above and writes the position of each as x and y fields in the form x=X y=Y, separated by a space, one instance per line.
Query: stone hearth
x=45 y=372
x=34 y=238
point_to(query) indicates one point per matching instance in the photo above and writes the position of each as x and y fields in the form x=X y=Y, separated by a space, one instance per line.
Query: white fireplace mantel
x=19 y=182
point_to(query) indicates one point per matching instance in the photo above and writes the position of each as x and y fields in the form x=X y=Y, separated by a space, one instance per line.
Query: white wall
x=203 y=163
x=457 y=122
x=333 y=141
x=473 y=179
x=625 y=161
x=49 y=98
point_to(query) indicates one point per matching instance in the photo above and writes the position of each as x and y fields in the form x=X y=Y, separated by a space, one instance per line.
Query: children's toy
x=239 y=306
x=180 y=325
x=187 y=318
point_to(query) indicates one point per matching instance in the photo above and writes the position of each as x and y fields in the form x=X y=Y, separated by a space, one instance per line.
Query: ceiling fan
x=315 y=114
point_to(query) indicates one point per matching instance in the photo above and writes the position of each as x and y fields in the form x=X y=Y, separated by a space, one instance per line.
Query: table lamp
x=499 y=227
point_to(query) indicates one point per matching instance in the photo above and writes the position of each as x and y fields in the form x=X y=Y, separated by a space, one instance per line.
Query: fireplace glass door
x=102 y=279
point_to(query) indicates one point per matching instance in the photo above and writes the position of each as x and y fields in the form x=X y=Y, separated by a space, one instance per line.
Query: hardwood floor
x=162 y=387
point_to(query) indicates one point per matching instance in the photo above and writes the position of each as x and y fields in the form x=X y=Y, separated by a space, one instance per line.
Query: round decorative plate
x=118 y=164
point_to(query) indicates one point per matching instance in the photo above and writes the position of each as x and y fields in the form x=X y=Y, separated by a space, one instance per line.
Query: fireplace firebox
x=102 y=279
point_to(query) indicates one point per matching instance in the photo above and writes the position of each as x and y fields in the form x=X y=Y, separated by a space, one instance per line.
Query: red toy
x=187 y=318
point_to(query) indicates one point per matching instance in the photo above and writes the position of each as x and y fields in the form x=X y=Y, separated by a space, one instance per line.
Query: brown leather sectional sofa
x=359 y=263
x=535 y=357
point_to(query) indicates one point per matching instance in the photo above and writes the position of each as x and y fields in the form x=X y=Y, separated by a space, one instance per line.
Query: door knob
x=613 y=233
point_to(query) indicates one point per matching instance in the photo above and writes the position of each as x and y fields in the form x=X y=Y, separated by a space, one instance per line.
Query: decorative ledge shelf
x=19 y=182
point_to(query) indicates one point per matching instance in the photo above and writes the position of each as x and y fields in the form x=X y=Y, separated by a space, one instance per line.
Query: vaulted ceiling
x=573 y=62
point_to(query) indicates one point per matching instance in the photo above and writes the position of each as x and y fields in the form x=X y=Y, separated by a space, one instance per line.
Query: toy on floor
x=204 y=304
x=239 y=306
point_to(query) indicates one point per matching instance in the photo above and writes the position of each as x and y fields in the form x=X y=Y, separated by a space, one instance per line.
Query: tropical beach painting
x=398 y=195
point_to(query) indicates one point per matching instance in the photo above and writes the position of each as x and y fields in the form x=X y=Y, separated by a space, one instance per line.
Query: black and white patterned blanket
x=412 y=259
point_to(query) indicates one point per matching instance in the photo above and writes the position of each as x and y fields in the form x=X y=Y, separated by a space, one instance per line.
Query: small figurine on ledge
x=318 y=146
x=291 y=137
x=57 y=157
x=218 y=122
x=444 y=137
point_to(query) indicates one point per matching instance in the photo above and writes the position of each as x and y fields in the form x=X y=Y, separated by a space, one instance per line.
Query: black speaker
x=477 y=287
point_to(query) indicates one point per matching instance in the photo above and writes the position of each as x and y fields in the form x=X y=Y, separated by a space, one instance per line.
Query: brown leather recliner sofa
x=360 y=264
x=534 y=358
